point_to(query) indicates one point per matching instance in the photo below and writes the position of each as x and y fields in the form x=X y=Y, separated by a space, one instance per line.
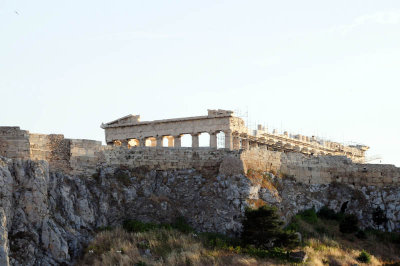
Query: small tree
x=263 y=228
x=364 y=257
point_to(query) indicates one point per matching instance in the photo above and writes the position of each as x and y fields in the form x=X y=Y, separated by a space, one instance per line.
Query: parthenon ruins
x=130 y=131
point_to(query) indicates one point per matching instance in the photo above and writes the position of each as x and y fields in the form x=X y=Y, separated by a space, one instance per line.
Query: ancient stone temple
x=130 y=131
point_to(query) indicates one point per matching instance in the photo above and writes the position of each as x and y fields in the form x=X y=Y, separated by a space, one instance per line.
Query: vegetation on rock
x=327 y=244
x=262 y=228
x=139 y=243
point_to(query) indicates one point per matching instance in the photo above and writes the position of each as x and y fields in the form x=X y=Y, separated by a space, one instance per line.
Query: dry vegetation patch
x=159 y=247
x=139 y=243
x=325 y=244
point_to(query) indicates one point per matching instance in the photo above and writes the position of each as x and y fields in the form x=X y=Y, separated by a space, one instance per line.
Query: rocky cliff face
x=47 y=218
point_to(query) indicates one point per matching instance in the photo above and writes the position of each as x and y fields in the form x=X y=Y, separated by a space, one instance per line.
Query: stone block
x=387 y=180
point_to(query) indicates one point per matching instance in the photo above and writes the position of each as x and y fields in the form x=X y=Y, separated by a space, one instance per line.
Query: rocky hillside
x=48 y=218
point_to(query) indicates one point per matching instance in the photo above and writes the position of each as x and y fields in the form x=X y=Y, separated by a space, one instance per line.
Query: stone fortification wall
x=75 y=156
x=202 y=159
x=53 y=148
x=320 y=169
x=68 y=155
x=14 y=142
x=85 y=155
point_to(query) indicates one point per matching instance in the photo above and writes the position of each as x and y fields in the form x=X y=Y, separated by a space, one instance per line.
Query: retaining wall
x=14 y=143
x=320 y=169
x=162 y=158
x=84 y=156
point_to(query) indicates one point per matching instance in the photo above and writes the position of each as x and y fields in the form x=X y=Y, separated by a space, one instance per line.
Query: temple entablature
x=130 y=131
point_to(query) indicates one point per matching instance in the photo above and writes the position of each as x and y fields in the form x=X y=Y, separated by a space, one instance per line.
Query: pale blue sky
x=330 y=68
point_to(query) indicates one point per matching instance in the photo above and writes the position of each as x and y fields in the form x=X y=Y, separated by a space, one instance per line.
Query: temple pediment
x=129 y=119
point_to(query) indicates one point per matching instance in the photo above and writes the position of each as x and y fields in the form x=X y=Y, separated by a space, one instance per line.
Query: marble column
x=236 y=142
x=195 y=140
x=213 y=140
x=228 y=140
x=124 y=143
x=245 y=144
x=159 y=141
x=177 y=141
x=142 y=142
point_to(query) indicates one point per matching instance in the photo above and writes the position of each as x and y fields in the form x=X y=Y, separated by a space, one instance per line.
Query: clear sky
x=329 y=68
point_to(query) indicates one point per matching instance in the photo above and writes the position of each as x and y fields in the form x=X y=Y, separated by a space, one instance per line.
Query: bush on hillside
x=349 y=224
x=364 y=257
x=309 y=215
x=138 y=226
x=329 y=214
x=180 y=224
x=263 y=228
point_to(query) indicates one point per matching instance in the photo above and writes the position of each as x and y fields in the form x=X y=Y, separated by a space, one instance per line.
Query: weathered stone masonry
x=85 y=156
x=130 y=131
x=68 y=155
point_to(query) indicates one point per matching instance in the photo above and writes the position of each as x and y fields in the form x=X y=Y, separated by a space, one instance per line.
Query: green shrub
x=294 y=224
x=349 y=224
x=309 y=216
x=138 y=226
x=181 y=225
x=364 y=257
x=329 y=214
x=287 y=239
x=217 y=241
x=263 y=228
x=392 y=237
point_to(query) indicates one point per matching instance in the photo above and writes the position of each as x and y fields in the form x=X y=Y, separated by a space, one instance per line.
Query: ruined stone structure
x=68 y=155
x=130 y=131
x=74 y=156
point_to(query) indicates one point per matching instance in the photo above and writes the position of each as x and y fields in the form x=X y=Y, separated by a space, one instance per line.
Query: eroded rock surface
x=47 y=218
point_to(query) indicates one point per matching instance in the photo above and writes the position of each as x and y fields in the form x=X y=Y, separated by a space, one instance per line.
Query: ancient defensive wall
x=130 y=131
x=68 y=155
x=85 y=156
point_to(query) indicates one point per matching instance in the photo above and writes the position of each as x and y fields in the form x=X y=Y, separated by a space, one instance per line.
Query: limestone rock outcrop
x=48 y=217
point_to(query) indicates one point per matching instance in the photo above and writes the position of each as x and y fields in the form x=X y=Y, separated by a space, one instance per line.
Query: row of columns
x=175 y=141
x=232 y=141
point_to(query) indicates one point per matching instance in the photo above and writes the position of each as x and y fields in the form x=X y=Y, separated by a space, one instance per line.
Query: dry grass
x=323 y=243
x=158 y=247
x=322 y=254
x=331 y=247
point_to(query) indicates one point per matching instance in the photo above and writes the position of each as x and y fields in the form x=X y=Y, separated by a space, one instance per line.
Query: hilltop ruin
x=140 y=144
x=130 y=131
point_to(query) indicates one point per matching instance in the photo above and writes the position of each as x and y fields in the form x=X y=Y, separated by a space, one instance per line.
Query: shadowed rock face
x=47 y=218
